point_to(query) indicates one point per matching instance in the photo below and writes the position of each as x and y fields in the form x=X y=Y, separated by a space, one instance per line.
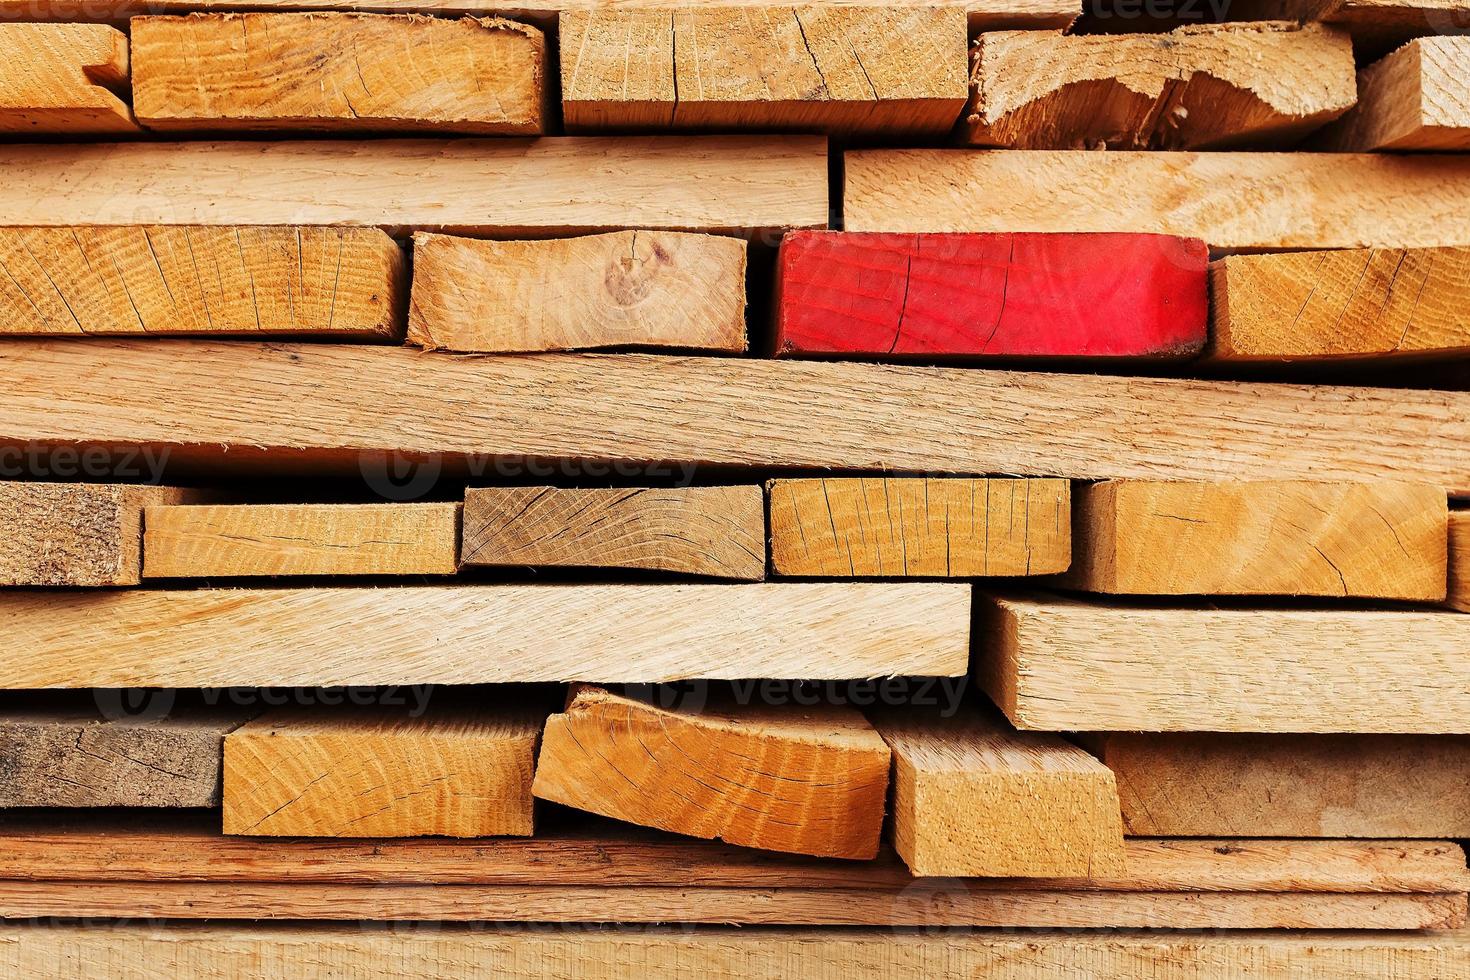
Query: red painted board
x=991 y=295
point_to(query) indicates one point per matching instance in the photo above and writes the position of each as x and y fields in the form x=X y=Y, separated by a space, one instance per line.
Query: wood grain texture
x=1394 y=303
x=1367 y=540
x=75 y=534
x=1459 y=586
x=974 y=797
x=839 y=69
x=715 y=531
x=1243 y=201
x=1417 y=98
x=504 y=187
x=79 y=755
x=339 y=71
x=332 y=408
x=345 y=283
x=223 y=540
x=64 y=79
x=453 y=772
x=1207 y=86
x=998 y=295
x=1057 y=664
x=483 y=634
x=1217 y=785
x=803 y=780
x=620 y=289
x=887 y=527
x=1377 y=26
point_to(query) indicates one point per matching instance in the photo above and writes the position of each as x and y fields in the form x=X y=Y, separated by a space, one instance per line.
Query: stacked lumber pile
x=558 y=482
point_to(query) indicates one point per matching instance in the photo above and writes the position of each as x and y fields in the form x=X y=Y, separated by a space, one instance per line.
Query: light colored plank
x=1216 y=785
x=899 y=527
x=63 y=78
x=1394 y=303
x=972 y=796
x=1056 y=664
x=1417 y=98
x=1296 y=200
x=715 y=531
x=75 y=534
x=329 y=407
x=441 y=634
x=621 y=289
x=1377 y=26
x=344 y=72
x=452 y=772
x=344 y=283
x=1366 y=540
x=223 y=540
x=505 y=187
x=1459 y=587
x=839 y=69
x=1209 y=86
x=806 y=781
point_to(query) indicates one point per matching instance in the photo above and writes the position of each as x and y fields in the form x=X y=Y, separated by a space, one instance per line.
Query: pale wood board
x=713 y=531
x=339 y=72
x=839 y=69
x=972 y=796
x=470 y=634
x=1381 y=540
x=1238 y=201
x=1350 y=304
x=1416 y=98
x=325 y=407
x=223 y=540
x=800 y=780
x=1210 y=86
x=1056 y=664
x=505 y=187
x=1216 y=785
x=161 y=280
x=620 y=289
x=1459 y=588
x=453 y=772
x=871 y=527
x=63 y=78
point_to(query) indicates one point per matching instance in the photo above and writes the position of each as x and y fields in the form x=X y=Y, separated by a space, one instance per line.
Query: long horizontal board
x=1057 y=664
x=482 y=634
x=325 y=406
x=510 y=186
x=1295 y=200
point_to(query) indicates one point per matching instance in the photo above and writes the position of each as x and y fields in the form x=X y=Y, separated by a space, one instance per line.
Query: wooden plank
x=621 y=289
x=339 y=72
x=1056 y=664
x=1201 y=86
x=75 y=534
x=994 y=295
x=439 y=634
x=886 y=527
x=180 y=846
x=1297 y=200
x=714 y=531
x=63 y=78
x=334 y=408
x=972 y=796
x=1377 y=26
x=1384 y=304
x=811 y=781
x=838 y=69
x=78 y=754
x=505 y=187
x=454 y=771
x=1215 y=785
x=1459 y=586
x=1366 y=540
x=223 y=540
x=1417 y=98
x=344 y=283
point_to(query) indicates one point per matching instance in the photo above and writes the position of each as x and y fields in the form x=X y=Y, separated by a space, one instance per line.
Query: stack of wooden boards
x=872 y=468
